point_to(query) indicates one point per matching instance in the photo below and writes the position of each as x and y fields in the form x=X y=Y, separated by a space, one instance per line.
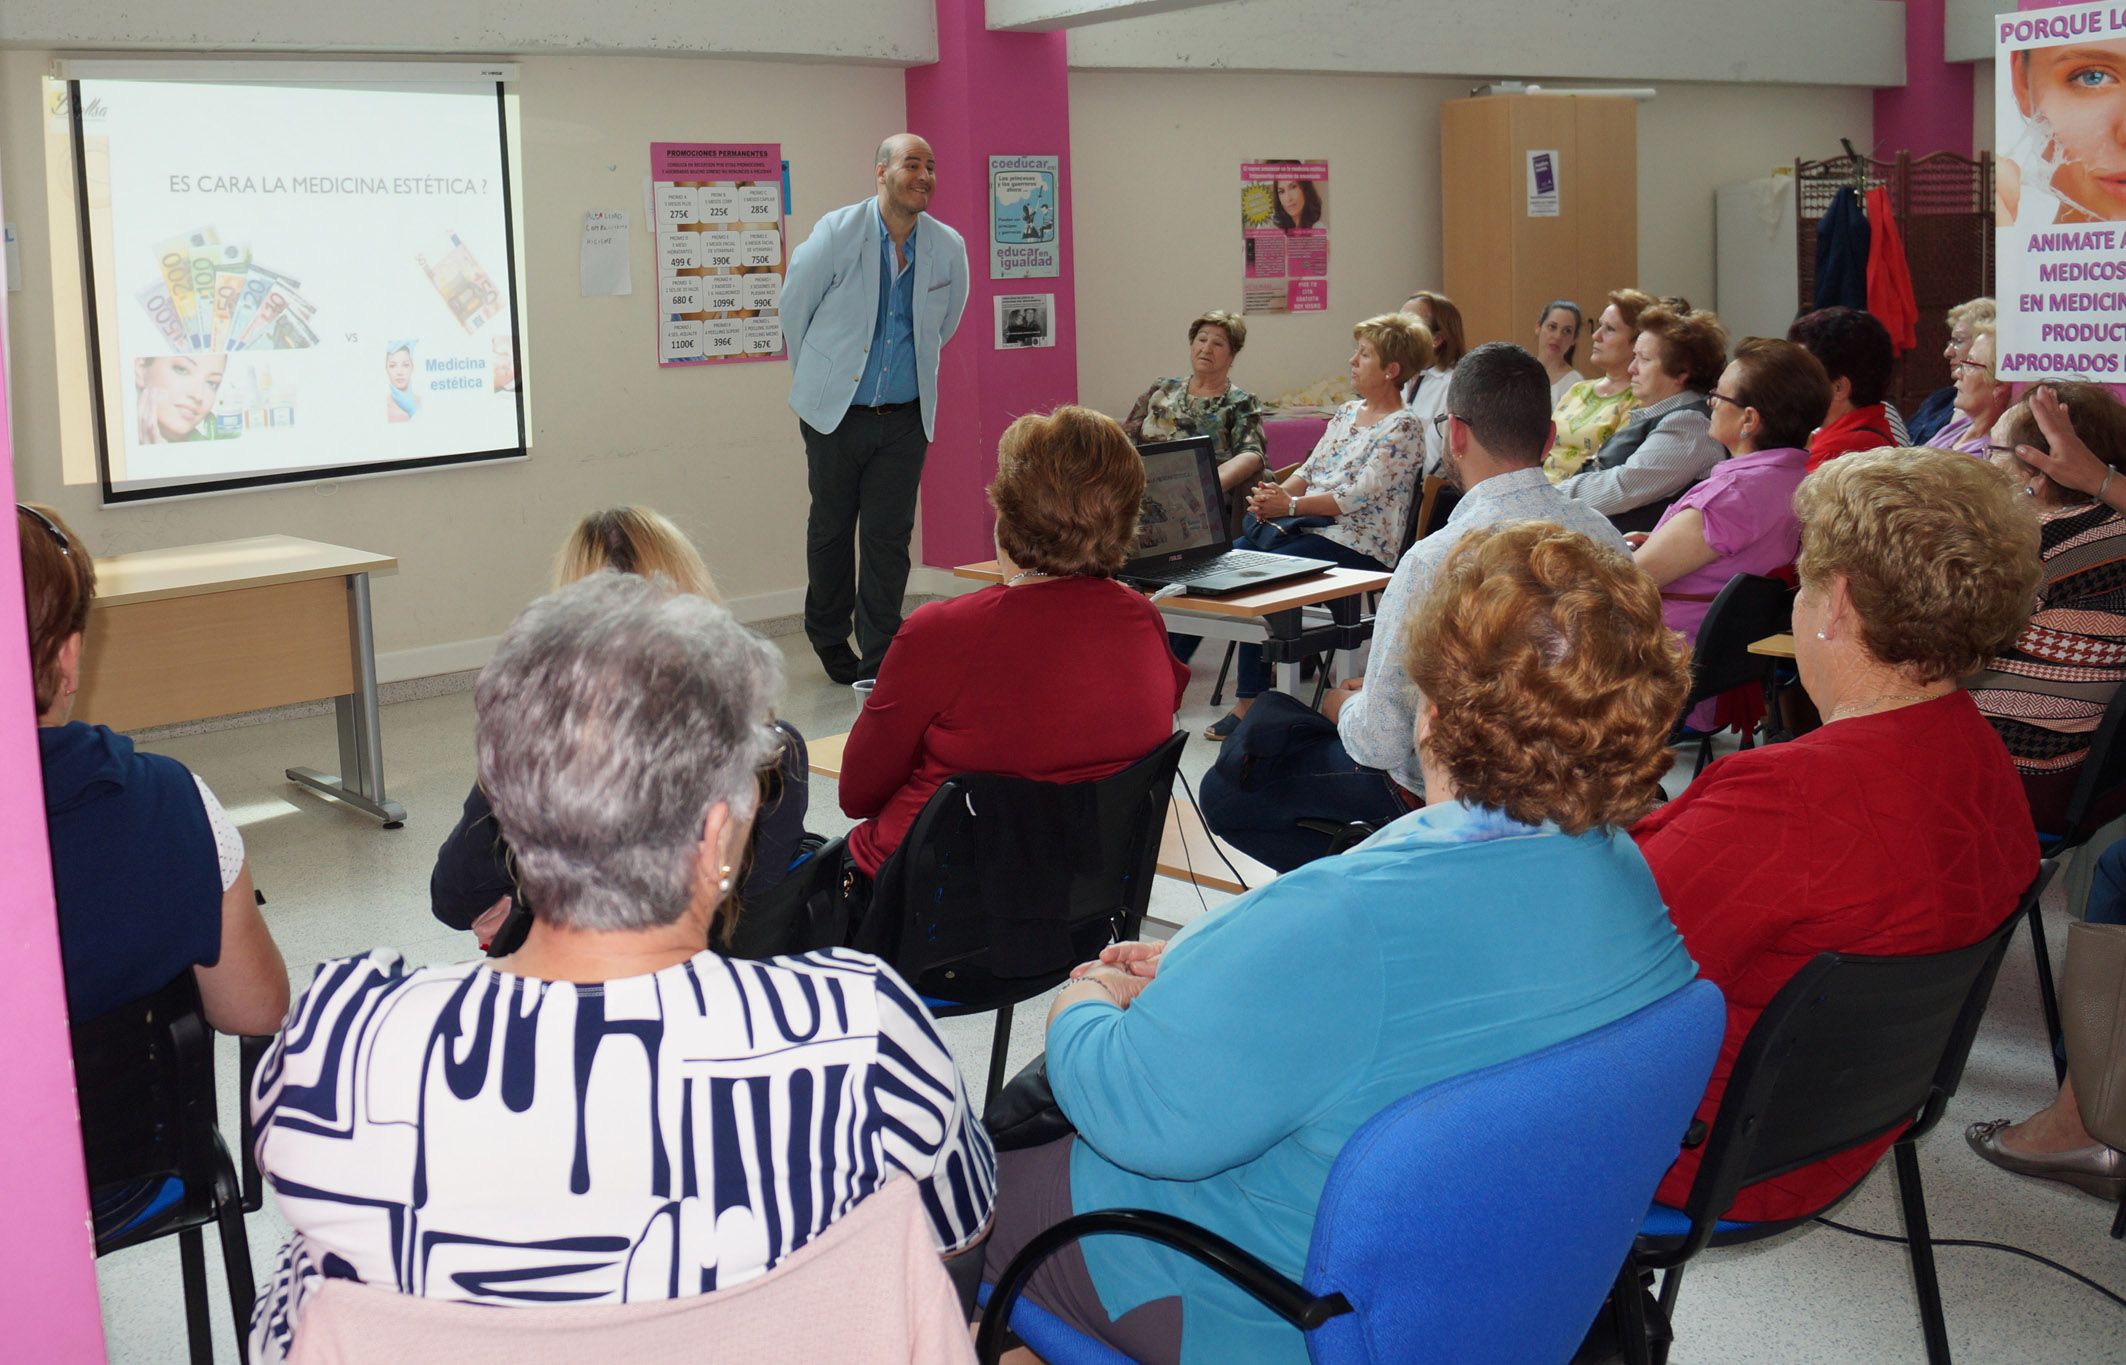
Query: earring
x=725 y=883
x=1819 y=635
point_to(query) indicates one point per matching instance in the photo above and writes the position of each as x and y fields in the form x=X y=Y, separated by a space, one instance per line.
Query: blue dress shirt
x=889 y=369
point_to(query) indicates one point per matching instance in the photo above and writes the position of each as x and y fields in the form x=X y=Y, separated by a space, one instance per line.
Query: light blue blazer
x=830 y=305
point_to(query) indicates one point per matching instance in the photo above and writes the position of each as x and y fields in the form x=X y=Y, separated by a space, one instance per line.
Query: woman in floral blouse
x=1362 y=476
x=1205 y=403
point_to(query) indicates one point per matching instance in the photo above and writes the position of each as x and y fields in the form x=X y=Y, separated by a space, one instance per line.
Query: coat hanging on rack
x=1842 y=254
x=1889 y=278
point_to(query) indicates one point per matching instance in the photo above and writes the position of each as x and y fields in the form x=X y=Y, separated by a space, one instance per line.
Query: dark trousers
x=1284 y=763
x=864 y=476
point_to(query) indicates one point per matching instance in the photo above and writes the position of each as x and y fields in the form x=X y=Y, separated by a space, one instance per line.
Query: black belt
x=883 y=408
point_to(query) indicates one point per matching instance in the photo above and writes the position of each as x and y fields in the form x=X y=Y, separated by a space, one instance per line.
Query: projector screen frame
x=74 y=71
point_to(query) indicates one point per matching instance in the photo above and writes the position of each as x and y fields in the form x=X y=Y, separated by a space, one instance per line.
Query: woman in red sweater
x=1900 y=826
x=1058 y=673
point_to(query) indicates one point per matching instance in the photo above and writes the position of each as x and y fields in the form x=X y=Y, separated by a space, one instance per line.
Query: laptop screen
x=1183 y=508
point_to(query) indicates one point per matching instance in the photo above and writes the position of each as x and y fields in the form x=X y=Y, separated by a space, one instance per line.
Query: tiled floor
x=337 y=884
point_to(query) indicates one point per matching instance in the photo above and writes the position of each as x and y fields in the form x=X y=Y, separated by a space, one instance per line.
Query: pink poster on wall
x=717 y=209
x=1284 y=229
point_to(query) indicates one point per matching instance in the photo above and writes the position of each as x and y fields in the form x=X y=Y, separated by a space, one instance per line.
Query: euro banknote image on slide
x=296 y=282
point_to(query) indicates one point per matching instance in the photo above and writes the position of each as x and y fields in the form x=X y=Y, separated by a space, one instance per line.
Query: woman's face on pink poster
x=1292 y=196
x=2079 y=94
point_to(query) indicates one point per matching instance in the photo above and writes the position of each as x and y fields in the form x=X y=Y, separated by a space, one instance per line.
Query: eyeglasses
x=1715 y=396
x=1968 y=365
x=51 y=528
x=1992 y=449
x=1439 y=424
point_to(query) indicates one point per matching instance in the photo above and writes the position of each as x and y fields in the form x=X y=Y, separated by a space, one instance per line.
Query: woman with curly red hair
x=1899 y=826
x=1058 y=673
x=1215 y=1077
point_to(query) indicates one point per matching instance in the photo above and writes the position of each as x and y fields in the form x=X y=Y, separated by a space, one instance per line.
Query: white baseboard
x=457 y=656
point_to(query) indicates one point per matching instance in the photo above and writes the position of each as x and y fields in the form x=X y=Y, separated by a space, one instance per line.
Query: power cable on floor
x=1983 y=1245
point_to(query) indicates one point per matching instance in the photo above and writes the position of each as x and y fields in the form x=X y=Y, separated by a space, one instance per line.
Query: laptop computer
x=1181 y=535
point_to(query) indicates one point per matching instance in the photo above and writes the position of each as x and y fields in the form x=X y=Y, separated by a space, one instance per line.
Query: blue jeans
x=1282 y=764
x=1253 y=677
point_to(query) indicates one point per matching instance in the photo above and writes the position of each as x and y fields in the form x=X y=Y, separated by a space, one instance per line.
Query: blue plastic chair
x=1482 y=1219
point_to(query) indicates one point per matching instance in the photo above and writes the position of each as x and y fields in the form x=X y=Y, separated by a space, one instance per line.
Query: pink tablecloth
x=1291 y=439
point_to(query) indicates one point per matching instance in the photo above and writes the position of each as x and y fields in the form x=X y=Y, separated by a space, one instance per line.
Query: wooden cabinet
x=1502 y=262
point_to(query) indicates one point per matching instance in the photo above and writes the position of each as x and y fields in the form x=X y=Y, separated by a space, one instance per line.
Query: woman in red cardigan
x=1058 y=673
x=1900 y=826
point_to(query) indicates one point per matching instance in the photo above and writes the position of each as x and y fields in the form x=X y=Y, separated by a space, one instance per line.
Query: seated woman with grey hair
x=614 y=1112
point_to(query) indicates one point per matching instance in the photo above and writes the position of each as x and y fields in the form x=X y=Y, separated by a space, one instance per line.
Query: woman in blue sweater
x=1217 y=1076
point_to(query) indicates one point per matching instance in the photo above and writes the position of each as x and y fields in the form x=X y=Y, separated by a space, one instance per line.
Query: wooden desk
x=1272 y=617
x=1774 y=647
x=198 y=631
x=1187 y=851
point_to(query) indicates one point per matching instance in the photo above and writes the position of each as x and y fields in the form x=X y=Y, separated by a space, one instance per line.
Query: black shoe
x=868 y=668
x=841 y=665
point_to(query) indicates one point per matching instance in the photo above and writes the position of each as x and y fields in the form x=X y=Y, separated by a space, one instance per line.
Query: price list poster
x=720 y=257
x=1284 y=230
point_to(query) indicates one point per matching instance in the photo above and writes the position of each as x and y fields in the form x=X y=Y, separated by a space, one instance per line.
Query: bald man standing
x=870 y=299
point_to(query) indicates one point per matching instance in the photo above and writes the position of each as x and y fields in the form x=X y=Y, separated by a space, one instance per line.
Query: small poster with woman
x=1284 y=229
x=2060 y=192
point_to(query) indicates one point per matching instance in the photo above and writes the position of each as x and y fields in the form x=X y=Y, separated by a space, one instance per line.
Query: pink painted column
x=47 y=1260
x=989 y=94
x=1931 y=111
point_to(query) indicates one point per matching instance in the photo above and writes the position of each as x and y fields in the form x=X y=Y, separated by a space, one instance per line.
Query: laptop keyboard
x=1232 y=561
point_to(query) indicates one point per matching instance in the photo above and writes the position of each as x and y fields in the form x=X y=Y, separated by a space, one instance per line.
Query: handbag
x=2093 y=1011
x=1025 y=1113
x=1272 y=534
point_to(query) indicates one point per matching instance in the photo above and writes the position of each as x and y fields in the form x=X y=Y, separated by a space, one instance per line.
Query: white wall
x=1156 y=160
x=1696 y=137
x=1157 y=164
x=1156 y=170
x=717 y=449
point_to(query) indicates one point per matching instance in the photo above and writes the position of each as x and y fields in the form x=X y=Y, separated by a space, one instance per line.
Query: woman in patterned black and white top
x=612 y=1113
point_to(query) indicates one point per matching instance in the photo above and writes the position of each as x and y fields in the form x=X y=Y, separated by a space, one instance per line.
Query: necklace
x=1021 y=576
x=1882 y=702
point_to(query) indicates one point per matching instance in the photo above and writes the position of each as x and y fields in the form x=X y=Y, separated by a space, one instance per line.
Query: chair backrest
x=1749 y=608
x=1851 y=1048
x=1434 y=504
x=145 y=1076
x=1484 y=1218
x=870 y=1290
x=1004 y=882
x=2100 y=792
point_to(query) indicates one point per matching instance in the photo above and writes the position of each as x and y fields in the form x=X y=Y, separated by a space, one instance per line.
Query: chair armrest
x=250 y=1050
x=1282 y=1297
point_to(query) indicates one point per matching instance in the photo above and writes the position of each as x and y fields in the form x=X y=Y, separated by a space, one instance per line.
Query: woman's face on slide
x=1210 y=354
x=2080 y=91
x=398 y=367
x=1612 y=340
x=184 y=387
x=1292 y=198
x=1555 y=336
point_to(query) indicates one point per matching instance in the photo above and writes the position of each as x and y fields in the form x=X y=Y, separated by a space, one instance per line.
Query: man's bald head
x=894 y=147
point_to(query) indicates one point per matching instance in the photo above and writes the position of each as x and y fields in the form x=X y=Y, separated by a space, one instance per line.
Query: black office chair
x=157 y=1164
x=1850 y=1049
x=1749 y=608
x=2099 y=798
x=1003 y=884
